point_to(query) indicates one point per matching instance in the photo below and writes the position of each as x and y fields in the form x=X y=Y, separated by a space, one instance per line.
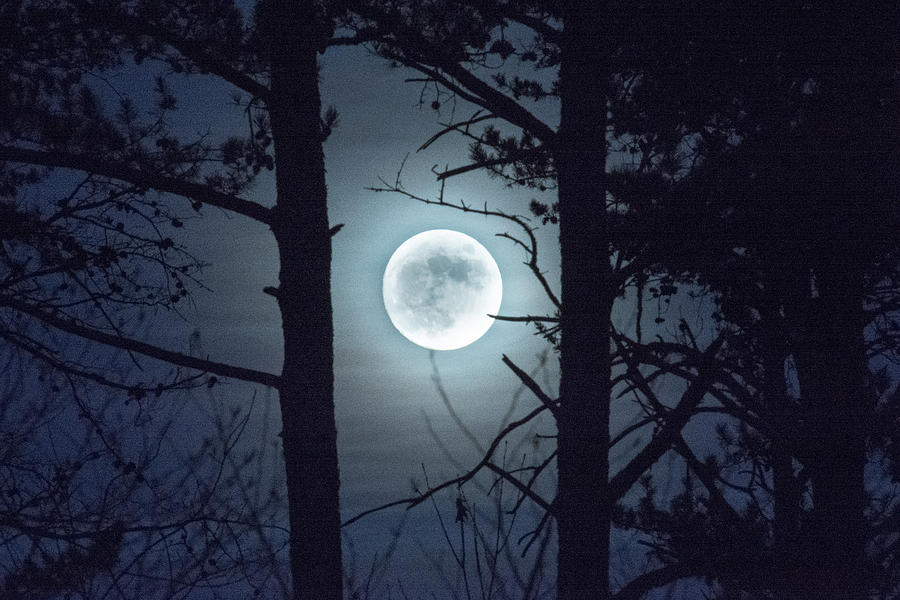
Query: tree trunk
x=830 y=351
x=583 y=422
x=831 y=360
x=782 y=288
x=785 y=490
x=300 y=226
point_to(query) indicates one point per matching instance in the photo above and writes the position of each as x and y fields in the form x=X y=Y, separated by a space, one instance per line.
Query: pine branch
x=199 y=54
x=547 y=31
x=707 y=476
x=176 y=358
x=673 y=422
x=116 y=170
x=498 y=103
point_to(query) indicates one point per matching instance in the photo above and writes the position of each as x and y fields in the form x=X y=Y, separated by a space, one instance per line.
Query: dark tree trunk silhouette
x=780 y=286
x=815 y=205
x=831 y=359
x=289 y=35
x=583 y=423
x=845 y=228
x=302 y=233
x=785 y=493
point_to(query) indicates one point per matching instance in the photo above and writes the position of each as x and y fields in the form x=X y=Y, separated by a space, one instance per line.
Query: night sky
x=409 y=418
x=394 y=423
x=386 y=399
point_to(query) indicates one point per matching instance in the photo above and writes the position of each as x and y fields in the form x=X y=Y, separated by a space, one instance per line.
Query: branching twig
x=484 y=462
x=200 y=192
x=531 y=248
x=115 y=341
x=532 y=385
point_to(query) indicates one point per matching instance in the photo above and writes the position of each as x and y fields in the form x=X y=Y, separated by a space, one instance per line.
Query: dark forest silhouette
x=746 y=156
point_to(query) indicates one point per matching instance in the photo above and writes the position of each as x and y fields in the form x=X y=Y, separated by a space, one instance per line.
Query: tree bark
x=300 y=226
x=785 y=493
x=830 y=349
x=583 y=421
x=831 y=360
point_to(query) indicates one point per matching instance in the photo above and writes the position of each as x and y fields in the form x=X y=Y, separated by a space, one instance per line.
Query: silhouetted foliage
x=781 y=201
x=578 y=167
x=761 y=170
x=100 y=497
x=97 y=183
x=740 y=153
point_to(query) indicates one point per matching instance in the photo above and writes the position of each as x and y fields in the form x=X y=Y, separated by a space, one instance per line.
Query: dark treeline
x=740 y=160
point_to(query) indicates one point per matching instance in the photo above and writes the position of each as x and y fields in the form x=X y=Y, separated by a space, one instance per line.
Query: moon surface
x=439 y=287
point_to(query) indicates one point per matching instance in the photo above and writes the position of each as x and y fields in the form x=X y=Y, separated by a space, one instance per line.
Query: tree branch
x=547 y=31
x=499 y=103
x=461 y=127
x=115 y=341
x=706 y=475
x=531 y=249
x=524 y=489
x=532 y=385
x=526 y=318
x=484 y=462
x=116 y=170
x=650 y=580
x=673 y=422
x=44 y=355
x=493 y=162
x=198 y=53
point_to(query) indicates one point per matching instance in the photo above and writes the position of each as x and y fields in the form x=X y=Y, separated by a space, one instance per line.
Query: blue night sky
x=408 y=418
x=386 y=400
x=391 y=419
x=393 y=425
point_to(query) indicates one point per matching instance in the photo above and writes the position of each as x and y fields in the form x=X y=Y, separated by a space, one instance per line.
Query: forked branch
x=176 y=358
x=484 y=462
x=530 y=247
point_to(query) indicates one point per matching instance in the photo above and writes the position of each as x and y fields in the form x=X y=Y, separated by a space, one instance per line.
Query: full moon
x=439 y=287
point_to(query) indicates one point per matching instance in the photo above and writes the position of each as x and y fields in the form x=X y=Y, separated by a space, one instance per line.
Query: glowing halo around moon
x=439 y=287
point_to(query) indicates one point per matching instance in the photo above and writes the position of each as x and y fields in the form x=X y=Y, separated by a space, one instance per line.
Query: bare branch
x=530 y=248
x=484 y=164
x=532 y=385
x=484 y=462
x=527 y=318
x=115 y=341
x=673 y=423
x=526 y=490
x=81 y=372
x=195 y=191
x=461 y=127
x=650 y=580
